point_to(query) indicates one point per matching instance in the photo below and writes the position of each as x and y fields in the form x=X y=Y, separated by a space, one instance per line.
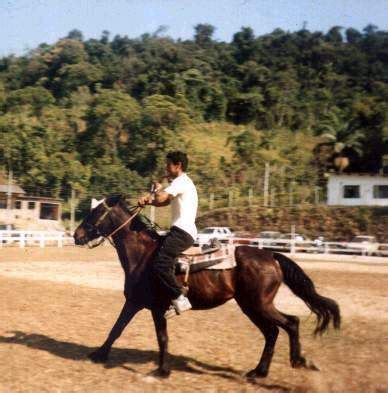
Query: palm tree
x=342 y=137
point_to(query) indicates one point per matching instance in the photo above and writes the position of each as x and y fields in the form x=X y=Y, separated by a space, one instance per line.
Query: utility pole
x=230 y=199
x=291 y=194
x=9 y=194
x=211 y=201
x=72 y=211
x=272 y=195
x=317 y=195
x=266 y=184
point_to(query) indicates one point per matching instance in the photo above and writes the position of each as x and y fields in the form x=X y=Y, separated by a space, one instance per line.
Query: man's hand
x=144 y=200
x=156 y=187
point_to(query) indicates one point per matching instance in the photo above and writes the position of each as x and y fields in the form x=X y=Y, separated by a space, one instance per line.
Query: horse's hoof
x=304 y=363
x=310 y=365
x=161 y=373
x=98 y=356
x=253 y=374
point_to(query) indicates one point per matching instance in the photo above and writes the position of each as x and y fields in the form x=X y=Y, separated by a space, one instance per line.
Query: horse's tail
x=302 y=286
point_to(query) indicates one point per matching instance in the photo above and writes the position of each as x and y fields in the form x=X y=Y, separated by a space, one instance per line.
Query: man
x=182 y=195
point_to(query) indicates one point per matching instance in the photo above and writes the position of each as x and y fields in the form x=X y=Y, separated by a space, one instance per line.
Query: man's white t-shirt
x=184 y=204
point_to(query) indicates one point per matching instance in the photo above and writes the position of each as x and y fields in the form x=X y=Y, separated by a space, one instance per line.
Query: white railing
x=57 y=238
x=34 y=238
x=294 y=246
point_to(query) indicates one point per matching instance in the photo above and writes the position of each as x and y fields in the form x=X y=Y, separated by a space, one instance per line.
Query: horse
x=253 y=283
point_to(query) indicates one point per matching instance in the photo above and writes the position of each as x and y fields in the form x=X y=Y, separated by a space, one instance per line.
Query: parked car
x=265 y=238
x=268 y=235
x=220 y=233
x=283 y=243
x=367 y=245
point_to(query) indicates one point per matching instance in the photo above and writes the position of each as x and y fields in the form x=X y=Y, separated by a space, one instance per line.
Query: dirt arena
x=57 y=305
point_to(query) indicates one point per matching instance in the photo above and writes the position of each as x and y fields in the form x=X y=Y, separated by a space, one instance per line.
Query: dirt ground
x=57 y=305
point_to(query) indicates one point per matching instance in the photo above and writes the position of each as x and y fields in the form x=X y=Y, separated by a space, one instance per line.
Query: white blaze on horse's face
x=96 y=202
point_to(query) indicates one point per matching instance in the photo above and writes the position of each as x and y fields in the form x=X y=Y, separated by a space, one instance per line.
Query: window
x=31 y=205
x=49 y=211
x=17 y=205
x=351 y=191
x=3 y=204
x=380 y=191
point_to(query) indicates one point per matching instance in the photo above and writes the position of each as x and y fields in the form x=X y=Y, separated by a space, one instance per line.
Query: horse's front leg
x=161 y=332
x=127 y=313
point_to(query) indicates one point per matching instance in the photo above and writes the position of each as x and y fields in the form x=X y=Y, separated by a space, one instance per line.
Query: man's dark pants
x=175 y=243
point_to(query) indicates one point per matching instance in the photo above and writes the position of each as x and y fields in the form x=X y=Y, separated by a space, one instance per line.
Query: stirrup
x=171 y=312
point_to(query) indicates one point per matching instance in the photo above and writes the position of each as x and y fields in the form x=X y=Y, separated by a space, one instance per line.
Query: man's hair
x=178 y=157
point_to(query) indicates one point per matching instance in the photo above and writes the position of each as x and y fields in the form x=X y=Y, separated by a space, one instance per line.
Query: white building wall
x=335 y=190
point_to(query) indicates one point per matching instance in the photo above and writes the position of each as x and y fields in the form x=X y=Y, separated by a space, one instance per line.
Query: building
x=357 y=190
x=28 y=212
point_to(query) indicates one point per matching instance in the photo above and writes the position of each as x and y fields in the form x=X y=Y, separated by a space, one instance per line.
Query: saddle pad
x=225 y=256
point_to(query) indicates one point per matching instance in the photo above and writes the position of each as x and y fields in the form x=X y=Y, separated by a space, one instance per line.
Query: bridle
x=108 y=209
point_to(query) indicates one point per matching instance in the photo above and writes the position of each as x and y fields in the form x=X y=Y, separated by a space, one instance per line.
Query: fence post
x=292 y=249
x=22 y=240
x=41 y=240
x=60 y=240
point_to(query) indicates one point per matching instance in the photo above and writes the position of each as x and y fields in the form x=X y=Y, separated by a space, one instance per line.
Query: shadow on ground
x=120 y=357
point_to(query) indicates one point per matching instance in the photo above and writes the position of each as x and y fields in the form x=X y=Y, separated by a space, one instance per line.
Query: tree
x=342 y=137
x=112 y=121
x=35 y=98
x=244 y=44
x=203 y=34
x=75 y=34
x=334 y=35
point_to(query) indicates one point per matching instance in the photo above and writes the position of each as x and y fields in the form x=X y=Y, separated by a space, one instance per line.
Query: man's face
x=173 y=170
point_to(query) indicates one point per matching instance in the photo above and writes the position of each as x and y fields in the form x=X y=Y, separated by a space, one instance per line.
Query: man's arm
x=161 y=198
x=158 y=198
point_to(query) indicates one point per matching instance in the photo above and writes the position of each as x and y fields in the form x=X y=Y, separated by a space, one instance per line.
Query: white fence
x=34 y=238
x=59 y=239
x=295 y=246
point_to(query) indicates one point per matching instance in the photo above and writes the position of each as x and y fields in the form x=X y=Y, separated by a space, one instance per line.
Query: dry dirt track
x=57 y=305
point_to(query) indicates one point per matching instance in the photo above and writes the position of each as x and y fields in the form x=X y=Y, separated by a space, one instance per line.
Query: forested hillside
x=98 y=115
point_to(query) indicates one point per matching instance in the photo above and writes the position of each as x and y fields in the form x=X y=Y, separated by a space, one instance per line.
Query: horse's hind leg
x=127 y=313
x=270 y=332
x=292 y=329
x=290 y=323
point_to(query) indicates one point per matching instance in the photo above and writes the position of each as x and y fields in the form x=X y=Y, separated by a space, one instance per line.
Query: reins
x=137 y=211
x=108 y=209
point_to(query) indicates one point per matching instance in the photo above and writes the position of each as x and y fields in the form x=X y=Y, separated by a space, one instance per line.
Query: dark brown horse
x=253 y=283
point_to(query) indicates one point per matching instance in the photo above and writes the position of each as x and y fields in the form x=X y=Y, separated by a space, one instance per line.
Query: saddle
x=213 y=256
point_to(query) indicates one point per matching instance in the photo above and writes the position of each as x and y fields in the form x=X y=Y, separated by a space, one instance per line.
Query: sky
x=24 y=24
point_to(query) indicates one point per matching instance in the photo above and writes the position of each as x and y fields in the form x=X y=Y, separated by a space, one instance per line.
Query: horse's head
x=101 y=221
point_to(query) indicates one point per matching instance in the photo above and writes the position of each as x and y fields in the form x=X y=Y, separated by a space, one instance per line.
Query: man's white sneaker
x=181 y=304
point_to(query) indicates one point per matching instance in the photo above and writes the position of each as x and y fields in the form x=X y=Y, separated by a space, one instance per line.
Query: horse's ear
x=113 y=200
x=95 y=203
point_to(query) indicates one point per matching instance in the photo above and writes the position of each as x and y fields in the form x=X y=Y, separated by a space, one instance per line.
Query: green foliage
x=98 y=115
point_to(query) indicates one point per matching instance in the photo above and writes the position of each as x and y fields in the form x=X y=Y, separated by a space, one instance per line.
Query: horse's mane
x=140 y=222
x=143 y=223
